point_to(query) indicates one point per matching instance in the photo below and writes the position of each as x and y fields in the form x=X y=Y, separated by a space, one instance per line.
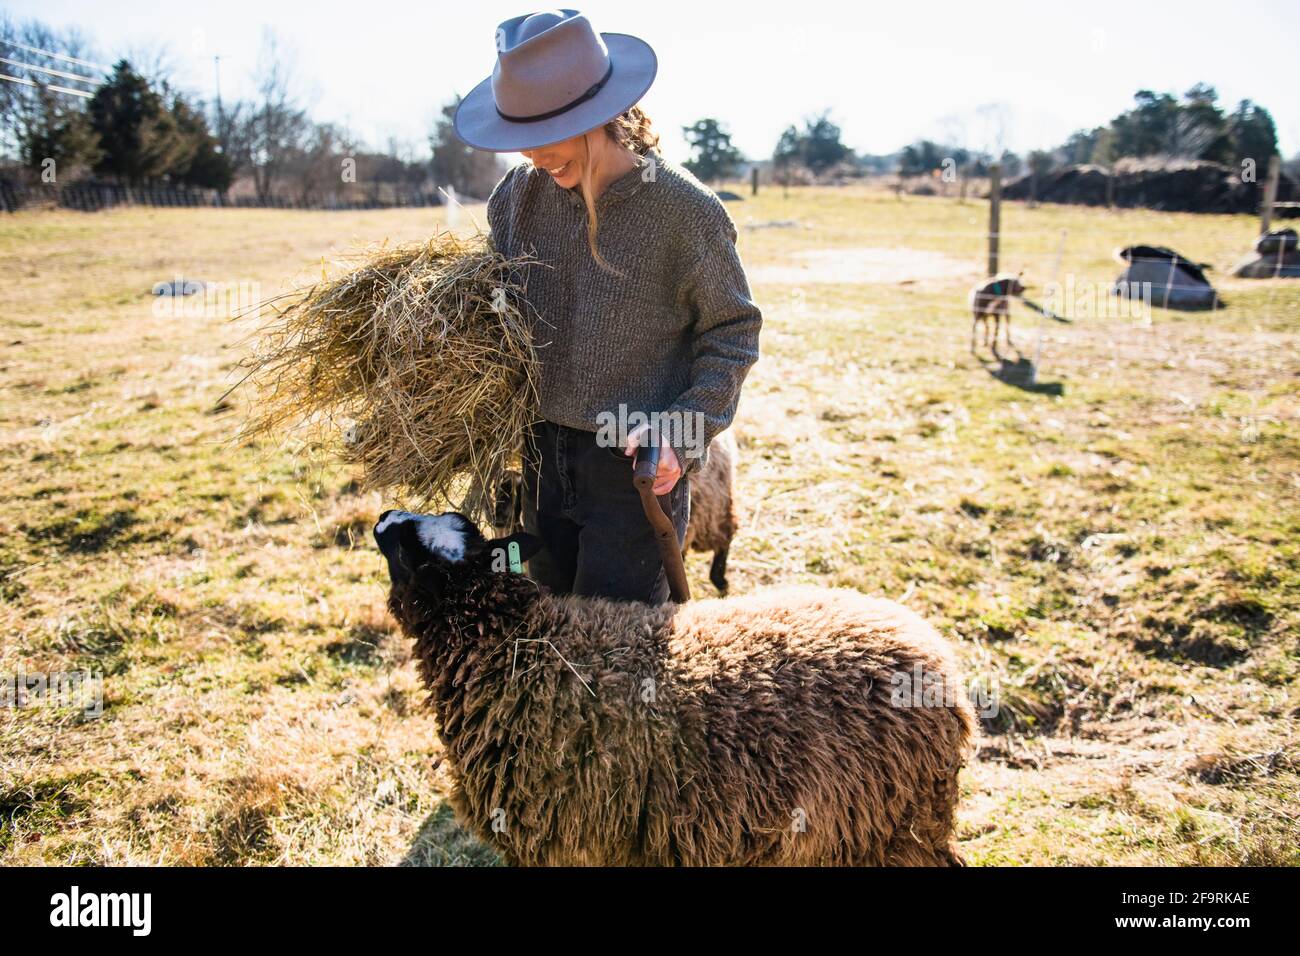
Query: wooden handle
x=644 y=468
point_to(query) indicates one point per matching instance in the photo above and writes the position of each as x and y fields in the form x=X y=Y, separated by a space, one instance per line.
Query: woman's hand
x=670 y=469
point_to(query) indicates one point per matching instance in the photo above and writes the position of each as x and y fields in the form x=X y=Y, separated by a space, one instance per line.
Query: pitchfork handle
x=644 y=469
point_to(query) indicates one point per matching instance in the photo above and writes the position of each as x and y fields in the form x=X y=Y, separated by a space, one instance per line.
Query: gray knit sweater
x=676 y=333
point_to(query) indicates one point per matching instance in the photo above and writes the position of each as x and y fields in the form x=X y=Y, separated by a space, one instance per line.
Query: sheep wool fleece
x=720 y=732
x=675 y=332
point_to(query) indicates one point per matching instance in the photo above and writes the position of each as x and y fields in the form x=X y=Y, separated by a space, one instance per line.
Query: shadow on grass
x=442 y=841
x=89 y=532
x=1020 y=373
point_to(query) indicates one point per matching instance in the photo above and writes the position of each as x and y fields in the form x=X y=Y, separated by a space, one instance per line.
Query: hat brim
x=478 y=123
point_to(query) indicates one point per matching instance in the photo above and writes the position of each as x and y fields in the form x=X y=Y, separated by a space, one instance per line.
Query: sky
x=1019 y=75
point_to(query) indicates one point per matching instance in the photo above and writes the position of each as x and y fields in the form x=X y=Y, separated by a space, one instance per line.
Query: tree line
x=1194 y=127
x=1159 y=125
x=136 y=128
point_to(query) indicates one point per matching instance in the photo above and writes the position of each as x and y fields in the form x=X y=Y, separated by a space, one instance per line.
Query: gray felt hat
x=555 y=78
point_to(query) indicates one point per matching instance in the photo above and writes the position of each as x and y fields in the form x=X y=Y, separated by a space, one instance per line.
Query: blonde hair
x=632 y=130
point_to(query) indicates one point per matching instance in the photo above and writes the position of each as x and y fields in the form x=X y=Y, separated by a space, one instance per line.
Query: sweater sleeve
x=724 y=346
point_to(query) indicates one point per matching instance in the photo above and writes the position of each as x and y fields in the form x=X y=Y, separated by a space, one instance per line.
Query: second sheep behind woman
x=712 y=523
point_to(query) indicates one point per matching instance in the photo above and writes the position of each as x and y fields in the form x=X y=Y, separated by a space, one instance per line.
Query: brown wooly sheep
x=763 y=729
x=712 y=522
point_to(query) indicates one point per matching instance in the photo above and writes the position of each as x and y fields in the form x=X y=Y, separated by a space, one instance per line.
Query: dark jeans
x=582 y=504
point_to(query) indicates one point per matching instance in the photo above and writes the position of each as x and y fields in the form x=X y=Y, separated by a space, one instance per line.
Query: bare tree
x=25 y=109
x=995 y=121
x=317 y=167
x=155 y=63
x=954 y=137
x=472 y=172
x=235 y=130
x=278 y=126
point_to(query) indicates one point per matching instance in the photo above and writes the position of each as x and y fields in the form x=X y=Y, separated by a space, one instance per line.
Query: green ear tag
x=512 y=552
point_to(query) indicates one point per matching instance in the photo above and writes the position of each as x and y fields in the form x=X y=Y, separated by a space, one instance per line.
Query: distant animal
x=1276 y=256
x=992 y=300
x=712 y=523
x=797 y=726
x=713 y=520
x=1144 y=253
x=1160 y=276
x=1279 y=240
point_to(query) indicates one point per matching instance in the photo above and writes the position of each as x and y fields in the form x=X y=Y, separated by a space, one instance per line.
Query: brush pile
x=416 y=363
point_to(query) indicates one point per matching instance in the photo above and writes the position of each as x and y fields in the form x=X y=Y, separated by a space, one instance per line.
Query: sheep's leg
x=1006 y=316
x=718 y=569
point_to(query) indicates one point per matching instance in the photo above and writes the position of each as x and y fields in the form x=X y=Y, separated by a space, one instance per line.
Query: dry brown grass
x=1121 y=559
x=414 y=363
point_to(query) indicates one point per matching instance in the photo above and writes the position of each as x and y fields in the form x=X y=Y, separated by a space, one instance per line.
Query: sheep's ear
x=497 y=551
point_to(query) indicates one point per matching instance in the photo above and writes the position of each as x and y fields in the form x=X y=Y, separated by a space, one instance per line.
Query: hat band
x=591 y=91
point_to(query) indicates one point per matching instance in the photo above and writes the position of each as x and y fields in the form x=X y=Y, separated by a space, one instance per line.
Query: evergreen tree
x=817 y=146
x=1253 y=134
x=138 y=136
x=715 y=158
x=58 y=131
x=202 y=163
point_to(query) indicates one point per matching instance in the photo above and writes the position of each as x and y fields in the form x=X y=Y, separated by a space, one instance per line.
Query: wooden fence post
x=1270 y=193
x=753 y=181
x=995 y=215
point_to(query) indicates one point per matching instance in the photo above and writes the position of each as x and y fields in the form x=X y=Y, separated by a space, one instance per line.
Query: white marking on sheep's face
x=443 y=535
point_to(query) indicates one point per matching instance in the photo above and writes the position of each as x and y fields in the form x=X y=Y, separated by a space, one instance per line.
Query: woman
x=645 y=312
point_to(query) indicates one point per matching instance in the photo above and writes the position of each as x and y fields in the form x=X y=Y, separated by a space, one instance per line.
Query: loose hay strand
x=416 y=364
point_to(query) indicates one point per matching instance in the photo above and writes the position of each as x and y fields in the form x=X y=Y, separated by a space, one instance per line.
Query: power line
x=48 y=86
x=66 y=76
x=58 y=56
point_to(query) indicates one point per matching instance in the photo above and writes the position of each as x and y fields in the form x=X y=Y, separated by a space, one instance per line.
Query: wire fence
x=93 y=197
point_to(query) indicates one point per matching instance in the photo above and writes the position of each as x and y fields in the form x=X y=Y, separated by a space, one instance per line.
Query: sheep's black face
x=448 y=542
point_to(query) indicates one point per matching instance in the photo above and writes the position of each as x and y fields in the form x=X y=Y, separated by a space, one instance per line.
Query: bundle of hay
x=416 y=363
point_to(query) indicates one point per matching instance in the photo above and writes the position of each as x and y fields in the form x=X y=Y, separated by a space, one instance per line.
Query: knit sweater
x=675 y=333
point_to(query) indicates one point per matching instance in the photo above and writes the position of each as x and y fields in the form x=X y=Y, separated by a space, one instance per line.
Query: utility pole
x=217 y=63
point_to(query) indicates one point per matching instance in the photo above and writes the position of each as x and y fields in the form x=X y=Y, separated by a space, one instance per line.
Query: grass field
x=1116 y=548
